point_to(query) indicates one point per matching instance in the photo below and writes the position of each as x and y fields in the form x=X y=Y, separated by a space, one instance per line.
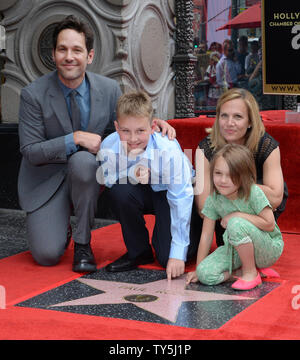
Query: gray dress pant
x=48 y=225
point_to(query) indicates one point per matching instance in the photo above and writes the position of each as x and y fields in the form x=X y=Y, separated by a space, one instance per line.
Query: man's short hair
x=73 y=23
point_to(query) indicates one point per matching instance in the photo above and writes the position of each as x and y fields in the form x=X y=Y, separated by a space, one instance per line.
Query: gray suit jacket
x=44 y=121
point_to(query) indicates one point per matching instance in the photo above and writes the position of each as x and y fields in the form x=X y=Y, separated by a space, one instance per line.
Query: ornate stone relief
x=150 y=46
x=121 y=43
x=184 y=60
x=119 y=2
x=133 y=44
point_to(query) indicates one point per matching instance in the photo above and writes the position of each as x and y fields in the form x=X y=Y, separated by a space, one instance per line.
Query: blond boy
x=146 y=173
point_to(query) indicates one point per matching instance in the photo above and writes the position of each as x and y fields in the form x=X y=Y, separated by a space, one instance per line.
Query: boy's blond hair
x=135 y=103
x=241 y=168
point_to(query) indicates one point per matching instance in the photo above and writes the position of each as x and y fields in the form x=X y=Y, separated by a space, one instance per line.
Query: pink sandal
x=268 y=272
x=241 y=284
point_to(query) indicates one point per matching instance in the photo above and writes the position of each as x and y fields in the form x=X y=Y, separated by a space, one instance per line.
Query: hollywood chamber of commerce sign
x=281 y=46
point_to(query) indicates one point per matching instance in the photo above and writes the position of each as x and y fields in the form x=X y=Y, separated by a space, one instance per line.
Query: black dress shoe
x=125 y=264
x=84 y=260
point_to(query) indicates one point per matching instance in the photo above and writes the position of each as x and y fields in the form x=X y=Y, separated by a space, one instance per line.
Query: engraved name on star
x=161 y=297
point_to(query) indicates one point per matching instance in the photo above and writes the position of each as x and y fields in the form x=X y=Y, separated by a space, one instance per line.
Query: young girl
x=252 y=240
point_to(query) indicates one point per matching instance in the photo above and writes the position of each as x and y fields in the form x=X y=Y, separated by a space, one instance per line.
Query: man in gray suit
x=60 y=133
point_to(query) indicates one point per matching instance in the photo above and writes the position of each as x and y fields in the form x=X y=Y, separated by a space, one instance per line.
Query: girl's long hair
x=241 y=168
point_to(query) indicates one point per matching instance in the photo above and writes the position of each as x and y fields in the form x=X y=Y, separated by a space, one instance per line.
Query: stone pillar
x=184 y=60
x=133 y=44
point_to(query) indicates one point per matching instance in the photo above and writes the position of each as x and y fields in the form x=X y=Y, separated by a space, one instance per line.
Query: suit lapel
x=59 y=105
x=96 y=99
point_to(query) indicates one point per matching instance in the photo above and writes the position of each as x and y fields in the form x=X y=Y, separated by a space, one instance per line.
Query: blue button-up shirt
x=170 y=170
x=227 y=72
x=83 y=100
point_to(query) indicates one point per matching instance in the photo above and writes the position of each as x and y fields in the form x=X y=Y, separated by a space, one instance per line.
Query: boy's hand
x=165 y=128
x=192 y=277
x=142 y=174
x=175 y=268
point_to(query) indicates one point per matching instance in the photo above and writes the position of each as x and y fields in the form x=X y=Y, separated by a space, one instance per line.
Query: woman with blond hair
x=238 y=121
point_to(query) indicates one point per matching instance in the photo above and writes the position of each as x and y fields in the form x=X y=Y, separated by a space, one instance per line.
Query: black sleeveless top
x=266 y=145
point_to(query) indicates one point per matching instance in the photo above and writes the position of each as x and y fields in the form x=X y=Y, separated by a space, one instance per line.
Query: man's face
x=229 y=52
x=71 y=57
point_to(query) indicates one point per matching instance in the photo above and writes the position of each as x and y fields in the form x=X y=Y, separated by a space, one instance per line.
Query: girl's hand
x=226 y=218
x=192 y=277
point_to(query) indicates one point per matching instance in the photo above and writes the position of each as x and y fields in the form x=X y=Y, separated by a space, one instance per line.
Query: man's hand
x=87 y=140
x=165 y=128
x=175 y=268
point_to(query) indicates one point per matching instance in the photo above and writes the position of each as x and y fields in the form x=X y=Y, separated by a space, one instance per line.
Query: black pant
x=130 y=203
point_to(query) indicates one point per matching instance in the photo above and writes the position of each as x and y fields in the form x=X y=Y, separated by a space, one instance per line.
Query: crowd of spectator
x=222 y=66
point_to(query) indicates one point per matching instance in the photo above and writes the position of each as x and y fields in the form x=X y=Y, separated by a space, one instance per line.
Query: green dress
x=268 y=246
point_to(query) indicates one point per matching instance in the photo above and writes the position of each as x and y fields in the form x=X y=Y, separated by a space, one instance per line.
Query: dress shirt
x=233 y=69
x=83 y=100
x=170 y=170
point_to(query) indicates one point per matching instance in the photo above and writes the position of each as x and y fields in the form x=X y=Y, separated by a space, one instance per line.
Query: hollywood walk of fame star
x=161 y=297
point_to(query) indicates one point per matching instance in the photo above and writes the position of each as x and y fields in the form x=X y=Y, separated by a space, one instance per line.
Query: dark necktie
x=75 y=111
